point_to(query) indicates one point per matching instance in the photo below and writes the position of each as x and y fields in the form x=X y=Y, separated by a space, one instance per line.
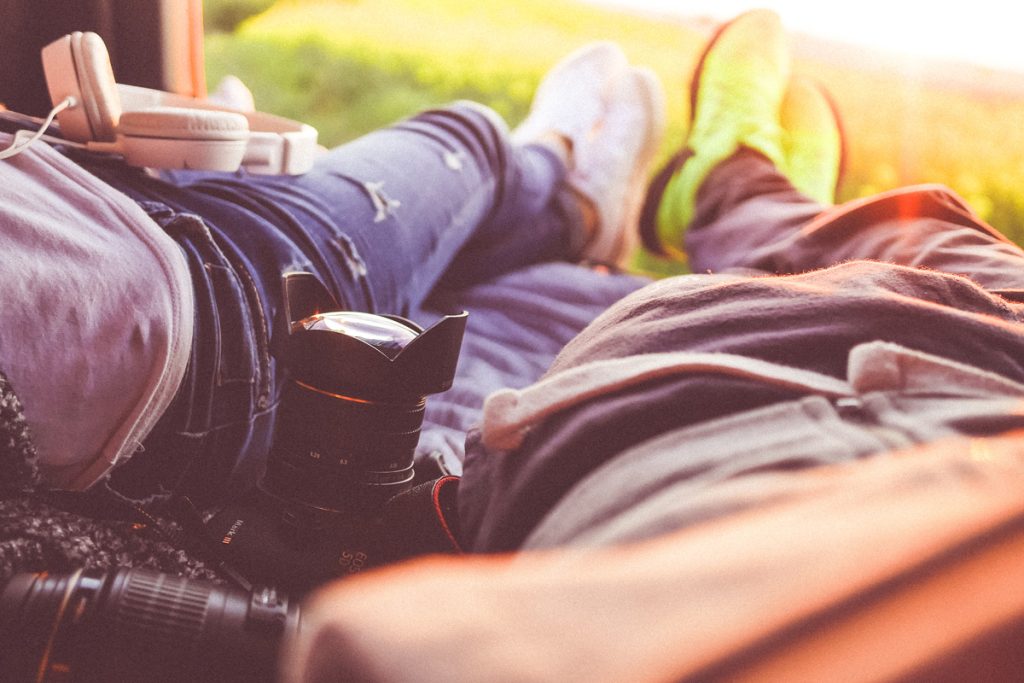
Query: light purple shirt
x=95 y=314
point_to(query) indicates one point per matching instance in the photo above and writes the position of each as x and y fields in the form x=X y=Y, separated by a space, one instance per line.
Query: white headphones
x=160 y=129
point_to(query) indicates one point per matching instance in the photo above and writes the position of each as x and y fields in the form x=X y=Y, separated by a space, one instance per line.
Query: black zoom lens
x=138 y=625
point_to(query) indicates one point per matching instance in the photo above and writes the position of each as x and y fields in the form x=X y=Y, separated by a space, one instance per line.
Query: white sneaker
x=571 y=98
x=612 y=170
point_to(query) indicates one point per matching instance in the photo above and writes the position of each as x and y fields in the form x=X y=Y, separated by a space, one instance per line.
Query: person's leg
x=745 y=215
x=378 y=221
x=450 y=193
x=382 y=218
x=750 y=217
x=751 y=189
x=470 y=202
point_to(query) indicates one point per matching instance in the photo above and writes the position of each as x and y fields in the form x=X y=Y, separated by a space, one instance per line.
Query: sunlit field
x=349 y=66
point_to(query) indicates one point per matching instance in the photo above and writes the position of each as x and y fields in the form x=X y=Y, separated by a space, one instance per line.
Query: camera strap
x=423 y=520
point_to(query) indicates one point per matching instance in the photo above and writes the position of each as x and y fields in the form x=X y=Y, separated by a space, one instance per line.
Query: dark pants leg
x=749 y=218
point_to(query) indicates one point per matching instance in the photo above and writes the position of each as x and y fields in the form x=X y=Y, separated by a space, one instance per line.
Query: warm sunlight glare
x=985 y=32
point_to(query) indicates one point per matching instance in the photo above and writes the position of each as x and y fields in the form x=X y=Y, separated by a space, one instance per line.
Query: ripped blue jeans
x=441 y=197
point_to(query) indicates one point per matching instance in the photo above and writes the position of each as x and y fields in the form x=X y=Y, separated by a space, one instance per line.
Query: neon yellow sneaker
x=735 y=97
x=813 y=142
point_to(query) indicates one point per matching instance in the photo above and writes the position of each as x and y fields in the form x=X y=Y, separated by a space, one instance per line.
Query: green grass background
x=349 y=66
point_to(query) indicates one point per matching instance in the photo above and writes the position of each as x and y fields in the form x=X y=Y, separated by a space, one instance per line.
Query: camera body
x=340 y=493
x=296 y=547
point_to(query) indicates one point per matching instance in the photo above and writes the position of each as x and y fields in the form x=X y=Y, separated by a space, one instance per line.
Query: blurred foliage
x=350 y=66
x=224 y=16
x=353 y=65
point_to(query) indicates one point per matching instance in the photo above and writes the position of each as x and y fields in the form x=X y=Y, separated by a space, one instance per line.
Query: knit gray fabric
x=36 y=536
x=19 y=469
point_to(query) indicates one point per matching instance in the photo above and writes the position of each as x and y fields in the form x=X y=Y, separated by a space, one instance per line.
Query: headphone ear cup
x=100 y=101
x=77 y=66
x=173 y=137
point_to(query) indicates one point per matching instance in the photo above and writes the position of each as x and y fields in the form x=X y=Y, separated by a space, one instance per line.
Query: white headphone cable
x=24 y=138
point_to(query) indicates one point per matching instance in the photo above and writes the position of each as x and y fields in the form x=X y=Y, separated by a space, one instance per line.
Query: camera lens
x=139 y=625
x=349 y=419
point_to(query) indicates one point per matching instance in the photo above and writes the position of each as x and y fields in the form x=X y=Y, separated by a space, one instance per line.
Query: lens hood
x=335 y=361
x=362 y=355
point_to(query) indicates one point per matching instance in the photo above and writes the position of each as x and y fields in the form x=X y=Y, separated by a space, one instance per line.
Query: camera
x=340 y=493
x=139 y=625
